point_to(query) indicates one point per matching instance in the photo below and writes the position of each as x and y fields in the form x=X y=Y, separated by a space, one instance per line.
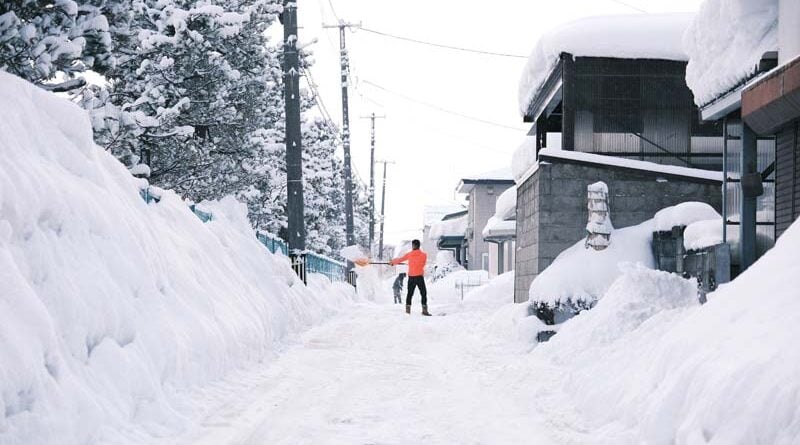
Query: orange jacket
x=416 y=262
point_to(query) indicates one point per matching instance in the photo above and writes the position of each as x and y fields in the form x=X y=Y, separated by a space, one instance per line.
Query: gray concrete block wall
x=551 y=209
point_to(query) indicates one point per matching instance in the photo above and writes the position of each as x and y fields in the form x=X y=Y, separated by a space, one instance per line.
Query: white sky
x=433 y=150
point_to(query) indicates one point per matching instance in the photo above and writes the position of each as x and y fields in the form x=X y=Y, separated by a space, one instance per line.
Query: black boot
x=408 y=309
x=425 y=311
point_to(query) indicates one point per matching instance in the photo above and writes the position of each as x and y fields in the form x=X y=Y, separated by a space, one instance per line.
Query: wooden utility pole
x=383 y=208
x=372 y=118
x=294 y=149
x=348 y=175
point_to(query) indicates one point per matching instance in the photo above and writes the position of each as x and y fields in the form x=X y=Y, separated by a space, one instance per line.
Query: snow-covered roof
x=500 y=174
x=614 y=161
x=506 y=205
x=497 y=227
x=642 y=36
x=448 y=227
x=434 y=213
x=725 y=43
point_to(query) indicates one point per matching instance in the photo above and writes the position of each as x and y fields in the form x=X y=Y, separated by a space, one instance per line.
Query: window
x=485 y=262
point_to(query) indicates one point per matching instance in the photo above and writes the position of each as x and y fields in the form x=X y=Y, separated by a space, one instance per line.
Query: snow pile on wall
x=702 y=234
x=725 y=42
x=683 y=214
x=113 y=310
x=650 y=365
x=585 y=274
x=503 y=222
x=642 y=36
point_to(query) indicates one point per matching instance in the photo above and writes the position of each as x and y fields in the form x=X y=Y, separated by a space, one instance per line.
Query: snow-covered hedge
x=113 y=310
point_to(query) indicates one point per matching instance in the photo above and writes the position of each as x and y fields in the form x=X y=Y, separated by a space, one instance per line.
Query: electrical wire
x=440 y=45
x=620 y=2
x=438 y=108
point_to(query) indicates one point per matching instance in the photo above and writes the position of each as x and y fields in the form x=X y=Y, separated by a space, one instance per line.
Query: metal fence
x=273 y=243
x=304 y=263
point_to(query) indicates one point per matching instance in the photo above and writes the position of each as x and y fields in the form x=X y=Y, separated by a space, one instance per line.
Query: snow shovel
x=364 y=262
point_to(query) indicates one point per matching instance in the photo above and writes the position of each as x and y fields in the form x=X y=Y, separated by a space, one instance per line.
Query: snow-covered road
x=377 y=376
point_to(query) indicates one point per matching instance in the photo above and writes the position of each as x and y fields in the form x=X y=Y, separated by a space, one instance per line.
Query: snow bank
x=725 y=42
x=650 y=365
x=683 y=214
x=112 y=310
x=641 y=36
x=585 y=274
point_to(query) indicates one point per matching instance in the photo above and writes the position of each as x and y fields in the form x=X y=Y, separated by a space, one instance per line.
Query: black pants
x=414 y=282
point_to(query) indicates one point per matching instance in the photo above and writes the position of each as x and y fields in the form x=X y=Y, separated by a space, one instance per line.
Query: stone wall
x=552 y=214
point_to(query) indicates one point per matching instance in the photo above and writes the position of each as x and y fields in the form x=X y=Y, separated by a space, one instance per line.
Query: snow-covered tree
x=48 y=42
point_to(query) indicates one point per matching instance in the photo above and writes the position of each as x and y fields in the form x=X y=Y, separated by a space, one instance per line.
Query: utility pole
x=383 y=208
x=294 y=149
x=372 y=118
x=348 y=175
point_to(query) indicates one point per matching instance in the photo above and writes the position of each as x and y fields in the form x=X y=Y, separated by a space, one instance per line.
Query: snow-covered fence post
x=599 y=225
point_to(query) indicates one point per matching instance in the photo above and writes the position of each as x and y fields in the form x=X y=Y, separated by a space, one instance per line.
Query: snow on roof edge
x=614 y=161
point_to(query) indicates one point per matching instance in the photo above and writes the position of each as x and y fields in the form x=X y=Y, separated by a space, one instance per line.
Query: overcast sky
x=432 y=149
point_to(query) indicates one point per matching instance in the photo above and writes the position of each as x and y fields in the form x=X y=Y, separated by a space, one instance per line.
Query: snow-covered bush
x=445 y=265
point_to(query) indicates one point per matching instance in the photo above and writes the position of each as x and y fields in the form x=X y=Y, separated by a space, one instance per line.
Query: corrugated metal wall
x=642 y=109
x=787 y=197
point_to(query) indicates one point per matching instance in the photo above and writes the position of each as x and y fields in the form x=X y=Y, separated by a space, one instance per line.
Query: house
x=501 y=231
x=450 y=234
x=431 y=215
x=608 y=101
x=745 y=73
x=482 y=191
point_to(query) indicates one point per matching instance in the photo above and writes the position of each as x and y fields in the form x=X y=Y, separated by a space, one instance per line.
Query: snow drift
x=113 y=310
x=650 y=365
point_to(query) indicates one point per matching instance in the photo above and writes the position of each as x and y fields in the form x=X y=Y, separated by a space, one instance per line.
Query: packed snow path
x=378 y=376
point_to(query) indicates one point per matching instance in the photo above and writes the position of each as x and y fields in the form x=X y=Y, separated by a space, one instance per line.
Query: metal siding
x=787 y=170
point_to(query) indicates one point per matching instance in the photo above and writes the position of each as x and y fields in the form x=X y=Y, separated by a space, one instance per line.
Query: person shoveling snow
x=416 y=275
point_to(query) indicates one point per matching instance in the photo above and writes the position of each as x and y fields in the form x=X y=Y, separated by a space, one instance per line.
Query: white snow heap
x=113 y=311
x=641 y=36
x=683 y=214
x=585 y=274
x=650 y=365
x=599 y=225
x=448 y=227
x=702 y=234
x=725 y=43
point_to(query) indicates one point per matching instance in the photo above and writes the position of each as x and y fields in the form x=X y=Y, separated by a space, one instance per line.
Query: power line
x=333 y=10
x=620 y=2
x=438 y=108
x=443 y=46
